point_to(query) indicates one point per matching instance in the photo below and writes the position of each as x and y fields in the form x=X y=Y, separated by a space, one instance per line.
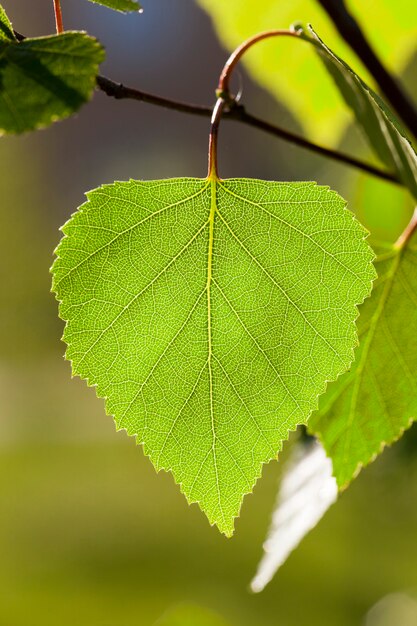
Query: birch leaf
x=371 y=405
x=210 y=315
x=44 y=79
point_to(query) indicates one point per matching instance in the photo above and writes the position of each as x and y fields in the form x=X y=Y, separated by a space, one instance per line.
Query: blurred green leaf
x=385 y=209
x=45 y=79
x=190 y=615
x=376 y=121
x=210 y=314
x=291 y=72
x=119 y=5
x=371 y=405
x=6 y=29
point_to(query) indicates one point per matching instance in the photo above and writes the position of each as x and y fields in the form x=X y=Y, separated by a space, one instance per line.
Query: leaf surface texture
x=210 y=315
x=372 y=404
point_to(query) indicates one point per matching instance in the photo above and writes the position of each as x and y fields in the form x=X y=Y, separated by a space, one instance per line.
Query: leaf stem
x=240 y=51
x=224 y=98
x=214 y=131
x=58 y=17
x=407 y=232
x=238 y=113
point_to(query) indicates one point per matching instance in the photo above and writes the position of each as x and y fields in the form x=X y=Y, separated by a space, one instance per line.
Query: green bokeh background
x=90 y=535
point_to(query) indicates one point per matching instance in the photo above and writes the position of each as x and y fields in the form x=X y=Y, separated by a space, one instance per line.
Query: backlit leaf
x=6 y=29
x=290 y=71
x=210 y=314
x=119 y=5
x=45 y=79
x=376 y=121
x=372 y=404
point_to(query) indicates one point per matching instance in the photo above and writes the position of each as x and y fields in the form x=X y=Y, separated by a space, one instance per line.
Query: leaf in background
x=210 y=314
x=376 y=121
x=45 y=79
x=190 y=615
x=399 y=607
x=291 y=72
x=384 y=209
x=6 y=29
x=371 y=405
x=119 y=5
x=306 y=492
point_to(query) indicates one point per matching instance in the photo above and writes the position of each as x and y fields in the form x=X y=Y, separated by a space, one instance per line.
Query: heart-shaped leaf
x=211 y=314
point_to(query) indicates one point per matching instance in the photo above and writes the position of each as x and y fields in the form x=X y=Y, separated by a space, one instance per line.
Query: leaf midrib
x=213 y=210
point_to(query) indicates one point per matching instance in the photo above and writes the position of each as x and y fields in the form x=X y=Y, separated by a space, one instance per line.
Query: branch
x=351 y=32
x=58 y=17
x=238 y=113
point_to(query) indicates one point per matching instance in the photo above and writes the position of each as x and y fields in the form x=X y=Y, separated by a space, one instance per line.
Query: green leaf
x=384 y=209
x=45 y=79
x=291 y=72
x=119 y=5
x=210 y=315
x=377 y=122
x=371 y=405
x=190 y=615
x=6 y=28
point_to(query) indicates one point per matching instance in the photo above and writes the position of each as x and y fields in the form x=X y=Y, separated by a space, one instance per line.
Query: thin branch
x=224 y=99
x=352 y=33
x=58 y=17
x=238 y=113
x=335 y=155
x=235 y=57
x=121 y=92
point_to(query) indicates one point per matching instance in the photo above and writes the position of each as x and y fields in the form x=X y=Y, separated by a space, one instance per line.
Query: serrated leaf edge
x=137 y=9
x=227 y=533
x=384 y=443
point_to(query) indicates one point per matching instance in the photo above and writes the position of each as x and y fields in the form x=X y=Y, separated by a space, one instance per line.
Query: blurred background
x=90 y=535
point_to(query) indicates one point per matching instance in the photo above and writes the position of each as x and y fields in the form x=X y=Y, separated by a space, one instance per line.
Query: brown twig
x=238 y=113
x=58 y=17
x=235 y=57
x=224 y=98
